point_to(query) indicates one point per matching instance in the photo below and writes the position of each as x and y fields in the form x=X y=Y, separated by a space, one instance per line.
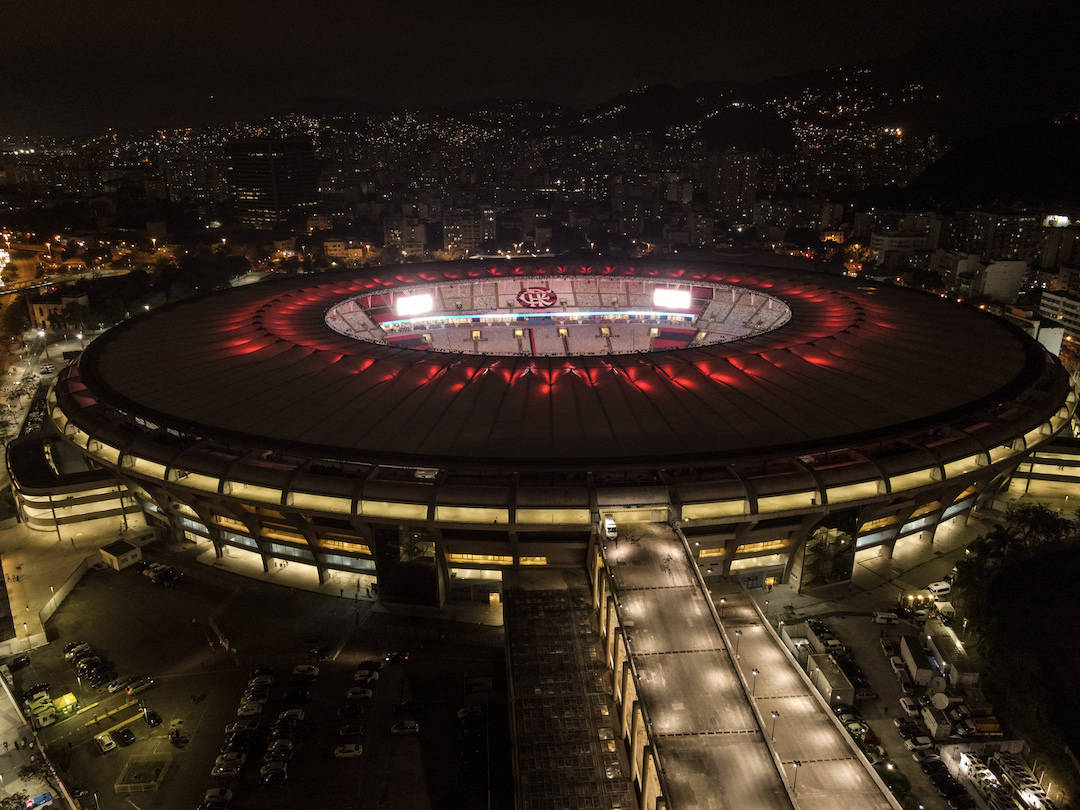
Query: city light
x=671 y=298
x=408 y=305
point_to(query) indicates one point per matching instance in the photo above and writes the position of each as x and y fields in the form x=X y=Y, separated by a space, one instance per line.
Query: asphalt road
x=167 y=632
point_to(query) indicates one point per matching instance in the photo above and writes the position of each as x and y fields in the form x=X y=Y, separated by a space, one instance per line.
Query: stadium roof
x=856 y=361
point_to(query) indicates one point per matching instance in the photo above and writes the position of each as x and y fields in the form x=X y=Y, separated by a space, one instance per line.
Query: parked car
x=249 y=709
x=358 y=693
x=261 y=680
x=105 y=742
x=274 y=773
x=896 y=663
x=250 y=724
x=888 y=646
x=279 y=751
x=140 y=684
x=291 y=714
x=256 y=696
x=909 y=707
x=309 y=671
x=349 y=750
x=152 y=718
x=923 y=757
x=229 y=764
x=397 y=657
x=405 y=727
x=365 y=676
x=74 y=648
x=117 y=685
x=124 y=736
x=351 y=730
x=919 y=744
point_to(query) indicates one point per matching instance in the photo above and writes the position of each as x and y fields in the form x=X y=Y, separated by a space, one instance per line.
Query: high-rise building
x=273 y=182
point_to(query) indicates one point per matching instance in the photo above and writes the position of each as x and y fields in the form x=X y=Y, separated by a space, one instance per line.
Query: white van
x=939 y=589
x=885 y=617
x=611 y=531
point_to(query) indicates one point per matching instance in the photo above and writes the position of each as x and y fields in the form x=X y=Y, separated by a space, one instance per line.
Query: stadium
x=425 y=427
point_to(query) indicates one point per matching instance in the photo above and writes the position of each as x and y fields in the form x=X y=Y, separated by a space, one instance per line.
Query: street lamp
x=738 y=637
x=753 y=687
x=772 y=732
x=795 y=780
x=723 y=602
x=79 y=336
x=44 y=342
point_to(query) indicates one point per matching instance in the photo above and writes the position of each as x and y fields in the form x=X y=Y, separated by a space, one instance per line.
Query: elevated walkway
x=689 y=699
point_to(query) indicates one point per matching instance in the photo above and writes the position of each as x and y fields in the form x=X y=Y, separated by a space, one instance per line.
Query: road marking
x=123 y=723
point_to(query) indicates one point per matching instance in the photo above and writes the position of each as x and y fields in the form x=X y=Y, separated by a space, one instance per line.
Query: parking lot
x=174 y=634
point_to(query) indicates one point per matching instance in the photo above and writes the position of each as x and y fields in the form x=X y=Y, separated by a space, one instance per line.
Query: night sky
x=82 y=66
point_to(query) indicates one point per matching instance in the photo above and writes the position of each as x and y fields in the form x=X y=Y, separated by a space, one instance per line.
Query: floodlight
x=418 y=304
x=671 y=298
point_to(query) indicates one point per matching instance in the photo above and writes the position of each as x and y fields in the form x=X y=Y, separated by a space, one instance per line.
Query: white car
x=897 y=664
x=919 y=744
x=228 y=764
x=249 y=709
x=256 y=696
x=306 y=671
x=923 y=757
x=291 y=714
x=105 y=742
x=261 y=680
x=611 y=531
x=909 y=706
x=117 y=685
x=349 y=750
x=358 y=693
x=242 y=725
x=78 y=648
x=405 y=727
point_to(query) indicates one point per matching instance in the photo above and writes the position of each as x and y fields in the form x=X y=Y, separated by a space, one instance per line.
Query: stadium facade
x=425 y=427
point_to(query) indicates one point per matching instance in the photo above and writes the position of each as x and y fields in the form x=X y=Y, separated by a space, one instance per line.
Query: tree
x=14 y=801
x=1035 y=524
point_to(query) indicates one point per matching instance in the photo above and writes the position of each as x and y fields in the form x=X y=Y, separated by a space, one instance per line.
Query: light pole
x=44 y=342
x=738 y=638
x=753 y=687
x=795 y=779
x=723 y=602
x=772 y=733
x=79 y=336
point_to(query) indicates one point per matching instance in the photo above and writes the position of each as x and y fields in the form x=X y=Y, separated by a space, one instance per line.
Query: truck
x=916 y=660
x=945 y=611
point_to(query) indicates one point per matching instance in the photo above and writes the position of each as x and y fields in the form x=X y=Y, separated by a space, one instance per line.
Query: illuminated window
x=712 y=552
x=344 y=545
x=870 y=525
x=532 y=560
x=476 y=334
x=564 y=332
x=230 y=523
x=281 y=534
x=764 y=545
x=495 y=559
x=605 y=331
x=926 y=508
x=519 y=333
x=654 y=331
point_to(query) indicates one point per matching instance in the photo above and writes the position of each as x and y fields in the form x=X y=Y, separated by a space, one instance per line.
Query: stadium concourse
x=427 y=428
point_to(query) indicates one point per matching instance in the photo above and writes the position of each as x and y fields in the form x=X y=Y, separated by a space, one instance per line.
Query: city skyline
x=102 y=67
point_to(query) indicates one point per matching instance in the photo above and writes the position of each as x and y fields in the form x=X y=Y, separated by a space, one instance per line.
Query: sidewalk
x=346 y=585
x=879 y=578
